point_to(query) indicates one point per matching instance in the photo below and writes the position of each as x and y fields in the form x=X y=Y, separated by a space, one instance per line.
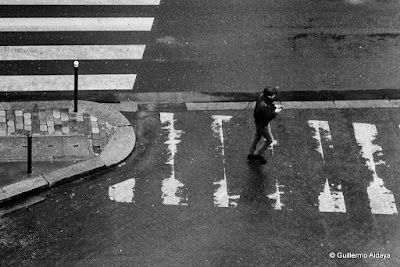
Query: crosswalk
x=331 y=198
x=42 y=79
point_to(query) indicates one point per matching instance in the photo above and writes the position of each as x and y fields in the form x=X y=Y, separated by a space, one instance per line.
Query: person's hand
x=278 y=108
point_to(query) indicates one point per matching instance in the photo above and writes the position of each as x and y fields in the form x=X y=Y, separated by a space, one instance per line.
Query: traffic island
x=90 y=140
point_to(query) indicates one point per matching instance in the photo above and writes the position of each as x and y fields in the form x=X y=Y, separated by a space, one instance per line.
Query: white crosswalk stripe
x=75 y=24
x=276 y=196
x=331 y=199
x=381 y=199
x=222 y=196
x=171 y=187
x=80 y=2
x=123 y=192
x=44 y=81
x=65 y=82
x=71 y=52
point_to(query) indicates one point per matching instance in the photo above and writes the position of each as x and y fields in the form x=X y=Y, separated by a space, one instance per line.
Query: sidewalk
x=65 y=145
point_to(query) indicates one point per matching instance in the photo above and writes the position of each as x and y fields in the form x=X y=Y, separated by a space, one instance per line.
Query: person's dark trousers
x=262 y=132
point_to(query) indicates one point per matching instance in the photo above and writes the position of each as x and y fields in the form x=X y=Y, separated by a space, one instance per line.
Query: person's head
x=270 y=92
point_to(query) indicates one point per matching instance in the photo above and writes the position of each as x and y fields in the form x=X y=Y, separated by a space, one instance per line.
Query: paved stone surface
x=53 y=122
x=59 y=134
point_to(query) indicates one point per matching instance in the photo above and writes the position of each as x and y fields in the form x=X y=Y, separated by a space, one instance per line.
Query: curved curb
x=118 y=148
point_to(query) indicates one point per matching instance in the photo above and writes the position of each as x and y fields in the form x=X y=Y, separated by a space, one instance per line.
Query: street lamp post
x=76 y=65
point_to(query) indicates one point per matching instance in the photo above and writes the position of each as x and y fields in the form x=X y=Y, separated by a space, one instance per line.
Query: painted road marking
x=322 y=126
x=72 y=52
x=66 y=82
x=381 y=199
x=222 y=197
x=331 y=199
x=171 y=187
x=79 y=2
x=123 y=192
x=75 y=24
x=277 y=196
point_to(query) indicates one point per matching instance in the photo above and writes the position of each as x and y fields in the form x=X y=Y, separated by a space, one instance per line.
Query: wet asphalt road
x=239 y=46
x=234 y=46
x=80 y=224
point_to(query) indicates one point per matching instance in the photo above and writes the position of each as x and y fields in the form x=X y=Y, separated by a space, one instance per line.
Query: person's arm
x=274 y=109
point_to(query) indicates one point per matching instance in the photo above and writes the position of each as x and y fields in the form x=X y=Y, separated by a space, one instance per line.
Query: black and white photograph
x=199 y=133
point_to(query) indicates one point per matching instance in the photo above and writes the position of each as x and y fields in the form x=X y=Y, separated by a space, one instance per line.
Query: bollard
x=76 y=65
x=29 y=153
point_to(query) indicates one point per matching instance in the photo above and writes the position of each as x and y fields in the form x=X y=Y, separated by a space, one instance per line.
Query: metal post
x=29 y=153
x=76 y=65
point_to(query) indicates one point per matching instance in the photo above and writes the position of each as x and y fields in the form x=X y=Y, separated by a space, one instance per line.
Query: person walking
x=264 y=112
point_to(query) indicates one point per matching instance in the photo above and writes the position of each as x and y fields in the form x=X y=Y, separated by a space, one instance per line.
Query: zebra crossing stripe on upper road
x=80 y=2
x=13 y=83
x=71 y=52
x=75 y=24
x=66 y=82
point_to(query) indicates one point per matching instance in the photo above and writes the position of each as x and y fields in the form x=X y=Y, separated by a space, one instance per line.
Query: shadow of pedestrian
x=358 y=205
x=254 y=189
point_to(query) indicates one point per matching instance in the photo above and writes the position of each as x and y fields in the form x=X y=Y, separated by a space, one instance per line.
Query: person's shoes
x=256 y=157
x=251 y=157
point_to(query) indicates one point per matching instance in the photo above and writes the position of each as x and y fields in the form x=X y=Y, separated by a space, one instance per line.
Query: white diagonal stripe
x=75 y=24
x=80 y=2
x=71 y=52
x=66 y=82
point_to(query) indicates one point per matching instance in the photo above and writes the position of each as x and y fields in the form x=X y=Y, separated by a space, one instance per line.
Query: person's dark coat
x=264 y=111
